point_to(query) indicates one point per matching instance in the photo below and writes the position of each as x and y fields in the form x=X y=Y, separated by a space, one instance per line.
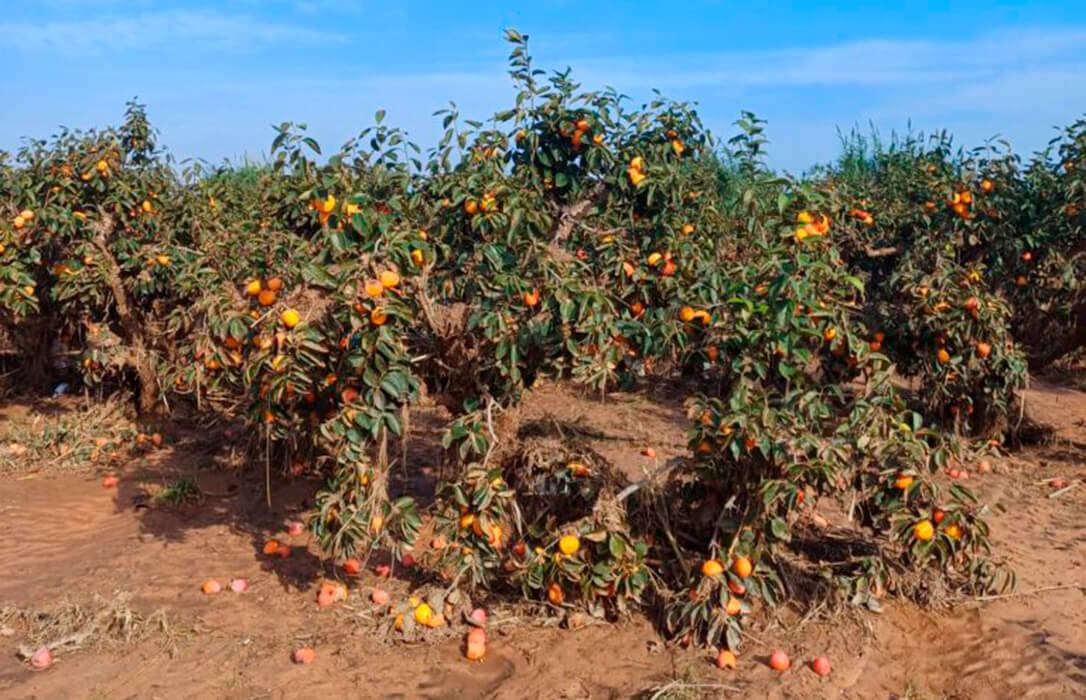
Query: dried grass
x=69 y=626
x=66 y=440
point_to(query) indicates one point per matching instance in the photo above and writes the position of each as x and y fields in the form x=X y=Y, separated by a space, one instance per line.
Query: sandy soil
x=68 y=537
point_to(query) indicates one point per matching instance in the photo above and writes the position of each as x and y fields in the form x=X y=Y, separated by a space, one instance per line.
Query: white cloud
x=178 y=28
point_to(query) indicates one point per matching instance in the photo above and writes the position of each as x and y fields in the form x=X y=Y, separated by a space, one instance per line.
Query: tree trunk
x=132 y=326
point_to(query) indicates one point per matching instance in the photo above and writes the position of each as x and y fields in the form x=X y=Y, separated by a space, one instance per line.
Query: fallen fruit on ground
x=475 y=644
x=42 y=658
x=211 y=586
x=109 y=481
x=239 y=585
x=379 y=596
x=725 y=659
x=779 y=661
x=352 y=567
x=821 y=665
x=305 y=655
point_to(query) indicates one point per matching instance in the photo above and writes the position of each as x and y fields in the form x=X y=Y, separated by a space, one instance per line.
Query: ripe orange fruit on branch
x=373 y=288
x=531 y=298
x=712 y=567
x=569 y=544
x=471 y=206
x=275 y=284
x=923 y=530
x=378 y=316
x=686 y=314
x=555 y=594
x=389 y=279
x=943 y=356
x=983 y=350
x=266 y=297
x=290 y=318
x=903 y=482
x=742 y=567
x=253 y=287
x=734 y=606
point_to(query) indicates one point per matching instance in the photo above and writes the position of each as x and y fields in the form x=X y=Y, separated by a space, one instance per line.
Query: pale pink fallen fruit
x=295 y=528
x=379 y=597
x=382 y=570
x=239 y=585
x=305 y=655
x=42 y=658
x=478 y=617
x=109 y=481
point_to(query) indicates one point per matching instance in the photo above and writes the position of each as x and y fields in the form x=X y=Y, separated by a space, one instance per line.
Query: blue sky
x=216 y=75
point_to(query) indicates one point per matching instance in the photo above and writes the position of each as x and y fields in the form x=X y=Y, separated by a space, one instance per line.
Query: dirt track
x=67 y=536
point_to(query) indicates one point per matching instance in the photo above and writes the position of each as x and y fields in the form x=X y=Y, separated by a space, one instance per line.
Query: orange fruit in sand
x=475 y=644
x=725 y=659
x=305 y=655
